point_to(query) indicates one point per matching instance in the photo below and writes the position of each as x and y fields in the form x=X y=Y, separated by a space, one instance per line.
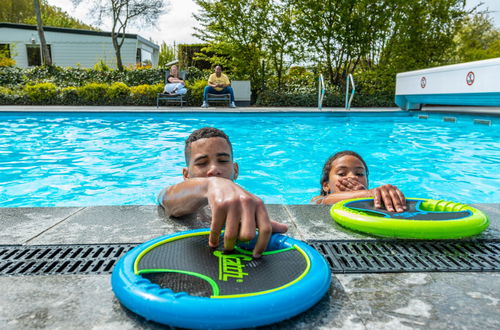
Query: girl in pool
x=345 y=176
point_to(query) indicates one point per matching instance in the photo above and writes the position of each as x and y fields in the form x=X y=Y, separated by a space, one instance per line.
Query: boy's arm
x=184 y=198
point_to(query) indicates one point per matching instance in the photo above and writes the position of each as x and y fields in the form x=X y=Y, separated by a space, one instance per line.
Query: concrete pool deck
x=435 y=300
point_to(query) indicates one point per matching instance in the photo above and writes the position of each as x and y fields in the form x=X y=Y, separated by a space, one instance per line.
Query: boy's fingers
x=278 y=227
x=264 y=225
x=232 y=228
x=218 y=220
x=247 y=225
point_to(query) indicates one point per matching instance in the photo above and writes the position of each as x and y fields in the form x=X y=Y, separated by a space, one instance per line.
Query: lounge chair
x=222 y=98
x=171 y=97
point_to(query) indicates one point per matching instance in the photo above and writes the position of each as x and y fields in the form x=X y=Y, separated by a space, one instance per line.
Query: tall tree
x=22 y=11
x=477 y=39
x=422 y=33
x=43 y=43
x=340 y=33
x=124 y=13
x=281 y=38
x=235 y=30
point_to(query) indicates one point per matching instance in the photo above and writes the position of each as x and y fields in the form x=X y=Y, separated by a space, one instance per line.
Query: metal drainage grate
x=60 y=259
x=344 y=256
x=391 y=256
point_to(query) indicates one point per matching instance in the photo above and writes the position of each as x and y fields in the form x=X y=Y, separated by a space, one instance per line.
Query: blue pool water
x=122 y=159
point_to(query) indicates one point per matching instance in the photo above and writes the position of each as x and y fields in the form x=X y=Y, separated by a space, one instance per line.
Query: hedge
x=272 y=98
x=101 y=86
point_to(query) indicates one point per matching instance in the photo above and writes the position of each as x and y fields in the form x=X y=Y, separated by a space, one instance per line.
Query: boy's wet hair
x=328 y=166
x=204 y=133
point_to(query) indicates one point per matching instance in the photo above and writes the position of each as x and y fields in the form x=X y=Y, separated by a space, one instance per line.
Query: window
x=5 y=50
x=147 y=57
x=35 y=54
x=138 y=58
x=143 y=57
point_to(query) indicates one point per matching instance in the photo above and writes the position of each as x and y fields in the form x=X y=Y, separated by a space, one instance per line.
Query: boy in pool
x=345 y=176
x=209 y=180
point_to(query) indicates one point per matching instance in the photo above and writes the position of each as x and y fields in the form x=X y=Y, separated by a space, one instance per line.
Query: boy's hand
x=242 y=213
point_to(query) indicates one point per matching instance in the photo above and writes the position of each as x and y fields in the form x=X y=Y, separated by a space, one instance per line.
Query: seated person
x=218 y=83
x=209 y=181
x=345 y=176
x=175 y=85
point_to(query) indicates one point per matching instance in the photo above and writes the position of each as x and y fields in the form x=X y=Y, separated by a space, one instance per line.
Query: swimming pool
x=78 y=159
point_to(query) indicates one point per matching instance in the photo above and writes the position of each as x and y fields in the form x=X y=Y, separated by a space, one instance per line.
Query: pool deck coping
x=494 y=111
x=354 y=301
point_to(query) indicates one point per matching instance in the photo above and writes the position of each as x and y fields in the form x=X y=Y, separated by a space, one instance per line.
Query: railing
x=348 y=99
x=321 y=91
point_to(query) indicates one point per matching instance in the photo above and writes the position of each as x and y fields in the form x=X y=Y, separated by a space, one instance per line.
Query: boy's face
x=210 y=157
x=345 y=167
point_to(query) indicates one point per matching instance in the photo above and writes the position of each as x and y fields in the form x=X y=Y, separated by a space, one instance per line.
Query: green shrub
x=11 y=76
x=272 y=98
x=102 y=66
x=117 y=91
x=42 y=93
x=69 y=96
x=147 y=91
x=93 y=92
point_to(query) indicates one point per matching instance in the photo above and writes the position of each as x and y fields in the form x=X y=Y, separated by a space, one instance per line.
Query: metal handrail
x=347 y=99
x=321 y=91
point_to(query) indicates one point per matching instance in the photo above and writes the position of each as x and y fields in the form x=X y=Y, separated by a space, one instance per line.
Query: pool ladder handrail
x=321 y=91
x=348 y=99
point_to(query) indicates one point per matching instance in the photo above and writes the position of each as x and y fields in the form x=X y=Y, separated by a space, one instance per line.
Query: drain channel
x=396 y=256
x=343 y=256
x=60 y=259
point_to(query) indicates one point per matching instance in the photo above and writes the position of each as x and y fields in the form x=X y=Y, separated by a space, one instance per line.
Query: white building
x=73 y=47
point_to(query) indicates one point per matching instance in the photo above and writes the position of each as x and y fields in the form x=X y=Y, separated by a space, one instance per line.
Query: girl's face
x=345 y=167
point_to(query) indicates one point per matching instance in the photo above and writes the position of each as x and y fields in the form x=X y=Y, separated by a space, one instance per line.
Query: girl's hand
x=393 y=198
x=349 y=184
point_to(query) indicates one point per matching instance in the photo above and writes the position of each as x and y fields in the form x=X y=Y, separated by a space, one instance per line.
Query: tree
x=477 y=39
x=422 y=33
x=43 y=44
x=281 y=42
x=235 y=31
x=167 y=54
x=124 y=13
x=15 y=11
x=340 y=34
x=22 y=11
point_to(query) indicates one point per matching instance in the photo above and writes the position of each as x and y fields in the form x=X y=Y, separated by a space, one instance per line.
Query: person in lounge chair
x=345 y=176
x=209 y=182
x=218 y=83
x=175 y=85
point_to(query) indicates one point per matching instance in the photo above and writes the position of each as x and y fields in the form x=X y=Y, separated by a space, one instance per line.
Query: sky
x=177 y=24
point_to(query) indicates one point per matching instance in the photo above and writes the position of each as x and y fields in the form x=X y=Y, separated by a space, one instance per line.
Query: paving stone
x=314 y=222
x=425 y=300
x=20 y=224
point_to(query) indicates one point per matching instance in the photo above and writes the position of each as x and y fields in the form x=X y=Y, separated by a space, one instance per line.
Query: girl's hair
x=328 y=166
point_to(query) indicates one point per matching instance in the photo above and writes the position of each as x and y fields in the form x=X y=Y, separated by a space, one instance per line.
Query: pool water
x=79 y=159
